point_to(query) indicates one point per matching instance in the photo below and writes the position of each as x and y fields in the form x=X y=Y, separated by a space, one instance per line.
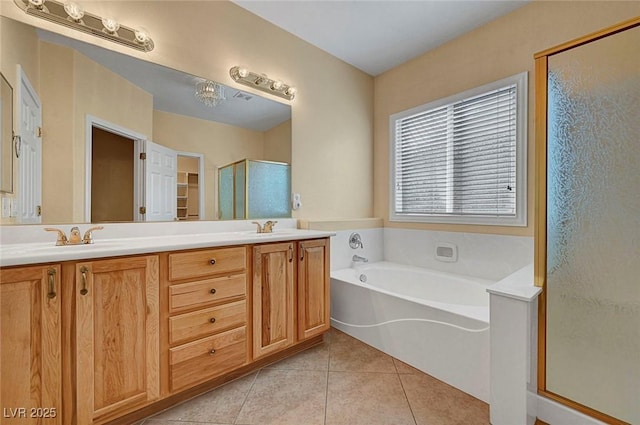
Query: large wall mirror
x=6 y=136
x=103 y=113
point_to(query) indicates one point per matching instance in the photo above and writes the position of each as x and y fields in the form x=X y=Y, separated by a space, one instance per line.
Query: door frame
x=137 y=138
x=201 y=192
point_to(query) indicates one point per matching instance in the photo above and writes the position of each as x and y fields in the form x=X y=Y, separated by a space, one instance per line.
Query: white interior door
x=30 y=160
x=161 y=172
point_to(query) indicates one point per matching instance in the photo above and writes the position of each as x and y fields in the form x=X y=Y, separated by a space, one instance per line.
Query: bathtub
x=435 y=321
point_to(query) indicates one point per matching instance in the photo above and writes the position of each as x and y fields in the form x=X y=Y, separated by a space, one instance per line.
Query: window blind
x=459 y=158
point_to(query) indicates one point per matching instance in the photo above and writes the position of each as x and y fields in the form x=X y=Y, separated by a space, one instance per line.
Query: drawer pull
x=212 y=261
x=212 y=320
x=212 y=352
x=84 y=290
x=213 y=290
x=52 y=283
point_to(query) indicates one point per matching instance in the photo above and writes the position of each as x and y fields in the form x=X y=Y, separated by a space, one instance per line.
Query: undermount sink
x=38 y=248
x=277 y=232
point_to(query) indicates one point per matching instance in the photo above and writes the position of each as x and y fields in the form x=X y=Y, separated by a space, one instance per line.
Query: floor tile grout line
x=246 y=397
x=326 y=391
x=415 y=421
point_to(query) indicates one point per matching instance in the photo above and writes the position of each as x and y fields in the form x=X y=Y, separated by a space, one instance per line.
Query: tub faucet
x=359 y=259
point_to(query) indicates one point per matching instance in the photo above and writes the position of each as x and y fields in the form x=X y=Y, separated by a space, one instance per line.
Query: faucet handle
x=355 y=241
x=62 y=238
x=260 y=230
x=88 y=235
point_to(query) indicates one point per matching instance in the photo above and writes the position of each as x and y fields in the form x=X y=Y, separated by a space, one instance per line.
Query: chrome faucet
x=359 y=259
x=74 y=236
x=267 y=228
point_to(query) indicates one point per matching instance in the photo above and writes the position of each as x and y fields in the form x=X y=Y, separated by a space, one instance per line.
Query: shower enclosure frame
x=540 y=232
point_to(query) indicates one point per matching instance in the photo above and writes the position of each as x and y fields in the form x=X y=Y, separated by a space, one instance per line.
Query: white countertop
x=518 y=285
x=46 y=252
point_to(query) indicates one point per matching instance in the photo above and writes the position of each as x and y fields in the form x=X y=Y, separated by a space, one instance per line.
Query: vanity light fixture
x=210 y=93
x=262 y=82
x=71 y=14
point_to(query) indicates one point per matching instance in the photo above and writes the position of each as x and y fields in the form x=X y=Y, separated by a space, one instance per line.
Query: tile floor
x=340 y=382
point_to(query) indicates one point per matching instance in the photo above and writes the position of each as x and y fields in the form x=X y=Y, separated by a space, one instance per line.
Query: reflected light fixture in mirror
x=73 y=15
x=260 y=81
x=210 y=93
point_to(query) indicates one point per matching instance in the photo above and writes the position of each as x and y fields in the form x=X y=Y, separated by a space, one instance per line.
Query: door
x=117 y=336
x=161 y=174
x=313 y=288
x=30 y=159
x=273 y=298
x=30 y=362
x=588 y=244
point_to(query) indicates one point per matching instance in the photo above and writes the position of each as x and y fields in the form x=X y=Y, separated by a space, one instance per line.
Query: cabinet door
x=313 y=288
x=117 y=336
x=30 y=362
x=273 y=298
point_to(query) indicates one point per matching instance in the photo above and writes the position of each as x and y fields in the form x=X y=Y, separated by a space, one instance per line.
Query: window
x=462 y=159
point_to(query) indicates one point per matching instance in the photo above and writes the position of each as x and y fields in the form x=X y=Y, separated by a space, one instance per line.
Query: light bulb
x=110 y=25
x=243 y=72
x=36 y=3
x=291 y=91
x=74 y=10
x=142 y=36
x=277 y=85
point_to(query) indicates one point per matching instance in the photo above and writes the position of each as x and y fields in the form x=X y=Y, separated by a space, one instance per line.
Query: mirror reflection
x=127 y=140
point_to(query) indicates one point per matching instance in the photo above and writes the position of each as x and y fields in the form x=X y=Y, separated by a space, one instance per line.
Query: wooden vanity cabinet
x=206 y=323
x=116 y=336
x=30 y=358
x=313 y=288
x=273 y=297
x=113 y=340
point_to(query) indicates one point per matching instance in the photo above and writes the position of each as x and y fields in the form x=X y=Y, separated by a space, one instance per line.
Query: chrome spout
x=359 y=259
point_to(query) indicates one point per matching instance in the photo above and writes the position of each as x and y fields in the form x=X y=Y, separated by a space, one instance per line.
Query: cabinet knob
x=212 y=320
x=213 y=290
x=212 y=261
x=212 y=352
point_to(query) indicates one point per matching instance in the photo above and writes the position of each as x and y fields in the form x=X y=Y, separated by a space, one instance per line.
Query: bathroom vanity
x=113 y=332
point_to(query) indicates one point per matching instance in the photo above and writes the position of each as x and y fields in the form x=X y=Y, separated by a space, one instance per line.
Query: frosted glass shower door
x=593 y=226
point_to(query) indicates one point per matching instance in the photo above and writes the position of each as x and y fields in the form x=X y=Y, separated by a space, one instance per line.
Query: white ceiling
x=376 y=36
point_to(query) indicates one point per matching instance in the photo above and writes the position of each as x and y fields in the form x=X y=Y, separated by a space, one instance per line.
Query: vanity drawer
x=188 y=326
x=206 y=358
x=206 y=292
x=187 y=265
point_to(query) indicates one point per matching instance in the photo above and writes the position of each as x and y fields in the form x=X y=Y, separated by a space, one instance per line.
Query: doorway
x=112 y=177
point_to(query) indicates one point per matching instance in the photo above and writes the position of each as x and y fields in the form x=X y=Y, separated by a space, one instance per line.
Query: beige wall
x=499 y=49
x=57 y=147
x=220 y=143
x=277 y=143
x=18 y=45
x=331 y=115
